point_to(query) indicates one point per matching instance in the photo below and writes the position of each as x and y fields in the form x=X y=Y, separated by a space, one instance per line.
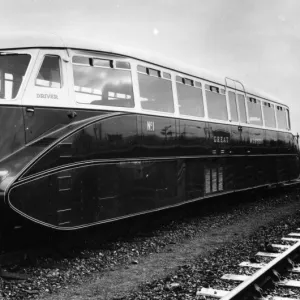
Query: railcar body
x=91 y=134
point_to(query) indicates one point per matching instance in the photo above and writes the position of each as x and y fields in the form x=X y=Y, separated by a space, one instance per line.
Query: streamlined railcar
x=92 y=133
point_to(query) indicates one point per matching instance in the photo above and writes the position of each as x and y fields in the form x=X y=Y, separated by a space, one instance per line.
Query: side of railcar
x=108 y=136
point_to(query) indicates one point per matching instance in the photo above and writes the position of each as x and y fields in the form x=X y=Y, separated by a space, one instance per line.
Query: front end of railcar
x=13 y=70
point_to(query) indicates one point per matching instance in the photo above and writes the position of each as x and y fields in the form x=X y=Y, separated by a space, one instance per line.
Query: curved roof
x=50 y=40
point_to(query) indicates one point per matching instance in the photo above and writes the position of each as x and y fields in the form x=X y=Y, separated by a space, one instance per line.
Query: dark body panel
x=98 y=191
x=239 y=140
x=12 y=135
x=86 y=167
x=193 y=138
x=157 y=136
x=42 y=120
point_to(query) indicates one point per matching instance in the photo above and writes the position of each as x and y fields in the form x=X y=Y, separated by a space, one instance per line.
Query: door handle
x=72 y=114
x=29 y=109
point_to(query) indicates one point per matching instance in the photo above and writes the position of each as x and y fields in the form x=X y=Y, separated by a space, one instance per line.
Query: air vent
x=213 y=180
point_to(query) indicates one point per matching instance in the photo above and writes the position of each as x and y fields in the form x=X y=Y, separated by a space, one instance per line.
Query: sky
x=254 y=41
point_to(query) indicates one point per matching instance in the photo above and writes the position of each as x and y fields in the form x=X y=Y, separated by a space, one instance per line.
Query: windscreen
x=12 y=70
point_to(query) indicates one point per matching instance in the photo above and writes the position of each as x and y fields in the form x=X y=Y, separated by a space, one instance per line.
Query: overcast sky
x=255 y=41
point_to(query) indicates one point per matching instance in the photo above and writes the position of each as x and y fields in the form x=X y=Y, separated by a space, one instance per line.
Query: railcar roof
x=21 y=40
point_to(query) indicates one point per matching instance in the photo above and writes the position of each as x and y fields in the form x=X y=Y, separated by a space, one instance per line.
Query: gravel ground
x=171 y=262
x=207 y=271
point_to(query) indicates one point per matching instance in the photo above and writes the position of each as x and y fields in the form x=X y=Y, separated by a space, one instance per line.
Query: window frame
x=113 y=60
x=194 y=82
x=284 y=109
x=32 y=54
x=161 y=71
x=271 y=105
x=255 y=99
x=221 y=90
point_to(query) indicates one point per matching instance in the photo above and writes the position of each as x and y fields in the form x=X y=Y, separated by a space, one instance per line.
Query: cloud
x=281 y=18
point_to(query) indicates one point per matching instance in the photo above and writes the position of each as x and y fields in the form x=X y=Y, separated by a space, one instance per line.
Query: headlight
x=3 y=174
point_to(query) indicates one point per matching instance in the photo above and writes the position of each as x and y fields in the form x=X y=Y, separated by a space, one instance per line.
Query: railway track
x=269 y=275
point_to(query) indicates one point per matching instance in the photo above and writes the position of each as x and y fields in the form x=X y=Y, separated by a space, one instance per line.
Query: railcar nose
x=13 y=69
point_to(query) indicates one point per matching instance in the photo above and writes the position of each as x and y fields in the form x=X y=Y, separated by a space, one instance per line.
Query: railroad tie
x=212 y=293
x=295 y=234
x=283 y=283
x=221 y=293
x=267 y=254
x=292 y=239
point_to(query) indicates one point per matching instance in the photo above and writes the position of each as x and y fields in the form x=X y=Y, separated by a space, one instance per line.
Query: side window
x=281 y=117
x=242 y=108
x=190 y=98
x=155 y=90
x=49 y=74
x=289 y=120
x=13 y=68
x=254 y=111
x=216 y=103
x=233 y=107
x=269 y=114
x=102 y=82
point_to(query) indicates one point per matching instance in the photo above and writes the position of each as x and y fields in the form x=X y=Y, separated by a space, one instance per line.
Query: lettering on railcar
x=150 y=126
x=221 y=139
x=256 y=141
x=47 y=96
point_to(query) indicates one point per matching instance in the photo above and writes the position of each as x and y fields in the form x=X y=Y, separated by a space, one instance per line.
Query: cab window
x=49 y=74
x=12 y=72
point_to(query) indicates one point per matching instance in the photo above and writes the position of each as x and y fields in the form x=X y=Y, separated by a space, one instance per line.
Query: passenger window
x=155 y=92
x=49 y=74
x=216 y=103
x=101 y=85
x=242 y=108
x=281 y=117
x=190 y=99
x=233 y=107
x=254 y=111
x=269 y=114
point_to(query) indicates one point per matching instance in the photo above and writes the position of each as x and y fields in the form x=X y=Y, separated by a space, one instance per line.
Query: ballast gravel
x=206 y=272
x=89 y=272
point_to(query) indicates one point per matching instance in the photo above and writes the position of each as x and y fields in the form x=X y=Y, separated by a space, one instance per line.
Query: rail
x=251 y=287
